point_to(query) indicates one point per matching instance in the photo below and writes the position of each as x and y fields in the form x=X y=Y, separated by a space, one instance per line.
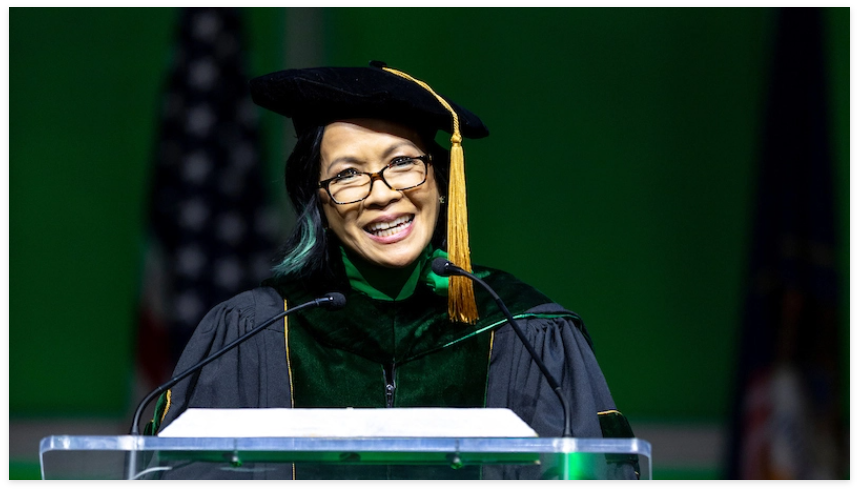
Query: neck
x=389 y=281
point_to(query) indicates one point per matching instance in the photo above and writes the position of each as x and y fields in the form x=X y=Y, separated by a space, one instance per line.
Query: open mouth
x=386 y=229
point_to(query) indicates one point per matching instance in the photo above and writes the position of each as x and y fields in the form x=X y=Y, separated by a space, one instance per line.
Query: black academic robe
x=352 y=357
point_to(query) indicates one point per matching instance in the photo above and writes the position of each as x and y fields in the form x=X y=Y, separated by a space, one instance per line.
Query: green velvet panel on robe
x=346 y=358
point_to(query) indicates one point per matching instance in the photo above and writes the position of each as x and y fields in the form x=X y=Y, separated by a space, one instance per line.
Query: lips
x=386 y=227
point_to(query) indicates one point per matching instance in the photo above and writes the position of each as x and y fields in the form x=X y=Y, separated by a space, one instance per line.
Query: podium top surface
x=140 y=457
x=369 y=444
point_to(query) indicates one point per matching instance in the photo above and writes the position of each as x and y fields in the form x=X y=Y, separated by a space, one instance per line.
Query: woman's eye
x=345 y=174
x=401 y=162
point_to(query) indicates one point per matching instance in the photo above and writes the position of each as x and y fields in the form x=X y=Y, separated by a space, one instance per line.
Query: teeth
x=385 y=229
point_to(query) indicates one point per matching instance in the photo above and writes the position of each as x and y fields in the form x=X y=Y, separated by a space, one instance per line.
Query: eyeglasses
x=352 y=186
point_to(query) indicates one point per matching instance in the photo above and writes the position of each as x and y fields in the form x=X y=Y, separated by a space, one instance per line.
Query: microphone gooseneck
x=443 y=267
x=330 y=301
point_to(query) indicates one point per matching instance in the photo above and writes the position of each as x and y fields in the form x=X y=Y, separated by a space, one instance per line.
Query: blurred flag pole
x=786 y=415
x=210 y=232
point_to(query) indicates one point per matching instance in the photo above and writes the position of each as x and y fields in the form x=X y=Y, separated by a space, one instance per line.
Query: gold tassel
x=461 y=306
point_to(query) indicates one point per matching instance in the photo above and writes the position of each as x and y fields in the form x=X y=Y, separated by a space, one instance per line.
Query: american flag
x=211 y=234
x=786 y=410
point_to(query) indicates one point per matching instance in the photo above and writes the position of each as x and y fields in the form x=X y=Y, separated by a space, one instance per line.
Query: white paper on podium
x=349 y=423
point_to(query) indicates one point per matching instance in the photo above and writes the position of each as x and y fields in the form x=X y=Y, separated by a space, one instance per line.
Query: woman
x=377 y=199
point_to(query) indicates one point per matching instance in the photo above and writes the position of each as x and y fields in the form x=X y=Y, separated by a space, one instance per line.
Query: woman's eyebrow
x=346 y=159
x=385 y=154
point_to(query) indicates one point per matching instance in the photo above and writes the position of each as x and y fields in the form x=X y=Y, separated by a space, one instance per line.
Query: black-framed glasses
x=352 y=186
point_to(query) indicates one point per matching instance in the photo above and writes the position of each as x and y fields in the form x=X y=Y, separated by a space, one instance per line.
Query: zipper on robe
x=389 y=371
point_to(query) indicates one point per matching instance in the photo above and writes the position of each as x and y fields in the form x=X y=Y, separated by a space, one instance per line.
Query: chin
x=397 y=260
x=397 y=263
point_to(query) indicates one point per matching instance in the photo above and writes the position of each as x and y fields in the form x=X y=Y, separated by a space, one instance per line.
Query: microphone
x=329 y=301
x=443 y=267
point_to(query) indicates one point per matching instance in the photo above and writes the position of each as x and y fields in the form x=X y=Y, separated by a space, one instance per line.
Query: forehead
x=366 y=135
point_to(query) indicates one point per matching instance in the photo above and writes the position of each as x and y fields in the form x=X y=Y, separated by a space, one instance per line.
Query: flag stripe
x=209 y=224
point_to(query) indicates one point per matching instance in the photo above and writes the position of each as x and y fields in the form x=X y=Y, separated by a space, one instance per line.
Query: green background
x=618 y=177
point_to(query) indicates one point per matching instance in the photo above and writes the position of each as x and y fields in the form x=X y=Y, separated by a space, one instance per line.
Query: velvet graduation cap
x=318 y=96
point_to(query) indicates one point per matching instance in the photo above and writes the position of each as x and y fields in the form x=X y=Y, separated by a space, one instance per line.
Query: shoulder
x=502 y=281
x=536 y=310
x=497 y=276
x=247 y=307
x=295 y=290
x=516 y=294
x=252 y=299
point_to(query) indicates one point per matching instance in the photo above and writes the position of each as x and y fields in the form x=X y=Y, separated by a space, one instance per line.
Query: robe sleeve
x=252 y=374
x=515 y=381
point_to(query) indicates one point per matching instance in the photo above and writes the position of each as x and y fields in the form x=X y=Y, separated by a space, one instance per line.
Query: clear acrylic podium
x=125 y=457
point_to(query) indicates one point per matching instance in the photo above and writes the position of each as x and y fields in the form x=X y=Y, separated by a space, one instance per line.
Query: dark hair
x=309 y=251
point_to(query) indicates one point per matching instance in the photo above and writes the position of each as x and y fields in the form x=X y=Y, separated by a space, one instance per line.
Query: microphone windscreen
x=439 y=266
x=337 y=301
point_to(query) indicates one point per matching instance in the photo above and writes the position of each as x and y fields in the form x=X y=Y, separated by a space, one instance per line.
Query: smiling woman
x=377 y=201
x=386 y=225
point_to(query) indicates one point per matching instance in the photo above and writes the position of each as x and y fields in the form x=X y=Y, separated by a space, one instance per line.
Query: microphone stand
x=443 y=267
x=329 y=300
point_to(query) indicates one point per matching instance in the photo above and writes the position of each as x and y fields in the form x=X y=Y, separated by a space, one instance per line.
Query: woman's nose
x=381 y=194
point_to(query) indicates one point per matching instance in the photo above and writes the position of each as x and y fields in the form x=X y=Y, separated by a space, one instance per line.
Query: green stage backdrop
x=618 y=177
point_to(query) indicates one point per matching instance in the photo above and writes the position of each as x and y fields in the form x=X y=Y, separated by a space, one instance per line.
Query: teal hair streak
x=297 y=258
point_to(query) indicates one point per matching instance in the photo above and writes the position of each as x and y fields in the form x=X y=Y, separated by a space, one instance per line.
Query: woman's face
x=402 y=222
